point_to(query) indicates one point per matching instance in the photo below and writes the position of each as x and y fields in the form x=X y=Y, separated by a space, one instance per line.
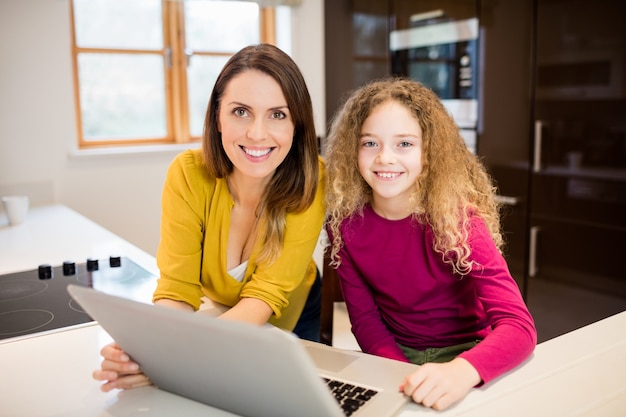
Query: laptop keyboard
x=350 y=397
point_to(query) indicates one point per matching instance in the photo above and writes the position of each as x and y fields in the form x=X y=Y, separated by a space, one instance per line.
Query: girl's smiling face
x=390 y=157
x=255 y=123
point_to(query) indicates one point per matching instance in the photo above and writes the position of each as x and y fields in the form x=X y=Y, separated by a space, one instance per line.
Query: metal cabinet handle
x=507 y=200
x=533 y=269
x=539 y=125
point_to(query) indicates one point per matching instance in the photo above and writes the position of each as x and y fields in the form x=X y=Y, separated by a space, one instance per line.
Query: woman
x=241 y=217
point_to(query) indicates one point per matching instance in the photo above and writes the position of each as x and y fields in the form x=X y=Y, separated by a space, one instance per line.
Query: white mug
x=16 y=208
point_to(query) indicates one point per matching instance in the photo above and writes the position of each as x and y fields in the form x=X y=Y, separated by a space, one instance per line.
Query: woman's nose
x=257 y=129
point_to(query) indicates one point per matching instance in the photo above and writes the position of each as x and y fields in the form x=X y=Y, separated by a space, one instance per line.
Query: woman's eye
x=240 y=112
x=279 y=115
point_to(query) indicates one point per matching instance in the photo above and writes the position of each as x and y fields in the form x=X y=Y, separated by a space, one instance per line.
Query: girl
x=415 y=236
x=241 y=216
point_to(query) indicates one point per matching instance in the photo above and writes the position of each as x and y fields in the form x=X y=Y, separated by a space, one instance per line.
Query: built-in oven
x=443 y=55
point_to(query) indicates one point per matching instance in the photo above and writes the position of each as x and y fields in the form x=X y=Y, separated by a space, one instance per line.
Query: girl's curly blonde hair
x=453 y=184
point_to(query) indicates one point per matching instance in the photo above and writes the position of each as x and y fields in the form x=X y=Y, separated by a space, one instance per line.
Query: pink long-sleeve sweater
x=398 y=290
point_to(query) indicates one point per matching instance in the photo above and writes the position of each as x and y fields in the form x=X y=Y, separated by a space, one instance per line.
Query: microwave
x=581 y=75
x=443 y=56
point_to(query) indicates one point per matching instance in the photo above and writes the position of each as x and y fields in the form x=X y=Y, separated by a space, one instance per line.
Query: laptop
x=253 y=371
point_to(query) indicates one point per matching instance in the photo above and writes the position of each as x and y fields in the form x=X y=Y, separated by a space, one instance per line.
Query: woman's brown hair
x=294 y=184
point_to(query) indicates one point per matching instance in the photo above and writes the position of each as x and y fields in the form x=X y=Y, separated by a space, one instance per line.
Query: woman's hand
x=118 y=371
x=439 y=385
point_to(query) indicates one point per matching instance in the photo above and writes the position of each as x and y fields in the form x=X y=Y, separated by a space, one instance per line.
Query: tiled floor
x=559 y=308
x=342 y=336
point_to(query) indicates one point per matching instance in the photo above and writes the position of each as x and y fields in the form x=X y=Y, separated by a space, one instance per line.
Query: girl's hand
x=439 y=385
x=118 y=371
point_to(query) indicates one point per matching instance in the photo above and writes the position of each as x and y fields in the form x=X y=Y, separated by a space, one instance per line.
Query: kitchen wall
x=38 y=157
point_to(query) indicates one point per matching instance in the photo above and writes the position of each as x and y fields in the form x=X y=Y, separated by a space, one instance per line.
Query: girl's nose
x=386 y=155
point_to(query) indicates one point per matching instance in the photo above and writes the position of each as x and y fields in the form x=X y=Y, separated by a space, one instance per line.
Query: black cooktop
x=36 y=301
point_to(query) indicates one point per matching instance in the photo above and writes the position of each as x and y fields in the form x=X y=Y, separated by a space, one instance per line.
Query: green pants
x=439 y=355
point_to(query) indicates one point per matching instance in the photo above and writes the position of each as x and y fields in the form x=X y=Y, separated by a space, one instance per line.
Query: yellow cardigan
x=194 y=234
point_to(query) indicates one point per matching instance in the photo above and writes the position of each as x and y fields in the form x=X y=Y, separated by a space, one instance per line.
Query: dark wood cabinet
x=504 y=131
x=356 y=46
x=553 y=135
x=578 y=181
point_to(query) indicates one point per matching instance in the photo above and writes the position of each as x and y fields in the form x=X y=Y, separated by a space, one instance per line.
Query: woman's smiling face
x=255 y=123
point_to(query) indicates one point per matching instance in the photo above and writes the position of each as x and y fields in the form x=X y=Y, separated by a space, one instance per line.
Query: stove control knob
x=45 y=271
x=69 y=268
x=92 y=264
x=115 y=261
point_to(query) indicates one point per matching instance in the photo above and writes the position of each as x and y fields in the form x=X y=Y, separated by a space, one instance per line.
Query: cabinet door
x=356 y=46
x=579 y=152
x=504 y=119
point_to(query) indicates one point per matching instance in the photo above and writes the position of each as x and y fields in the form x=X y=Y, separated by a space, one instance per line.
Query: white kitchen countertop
x=582 y=373
x=54 y=234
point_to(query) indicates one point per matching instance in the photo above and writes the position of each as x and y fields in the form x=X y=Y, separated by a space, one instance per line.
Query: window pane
x=122 y=96
x=201 y=76
x=221 y=26
x=121 y=24
x=283 y=28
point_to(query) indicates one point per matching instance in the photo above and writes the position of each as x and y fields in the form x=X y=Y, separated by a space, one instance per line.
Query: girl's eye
x=405 y=144
x=368 y=143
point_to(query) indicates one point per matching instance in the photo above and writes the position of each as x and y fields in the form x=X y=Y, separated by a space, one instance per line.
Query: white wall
x=120 y=191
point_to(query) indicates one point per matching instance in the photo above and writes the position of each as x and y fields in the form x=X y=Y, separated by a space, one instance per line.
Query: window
x=144 y=69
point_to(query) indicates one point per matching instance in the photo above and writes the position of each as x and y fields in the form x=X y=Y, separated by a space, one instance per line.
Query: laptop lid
x=245 y=369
